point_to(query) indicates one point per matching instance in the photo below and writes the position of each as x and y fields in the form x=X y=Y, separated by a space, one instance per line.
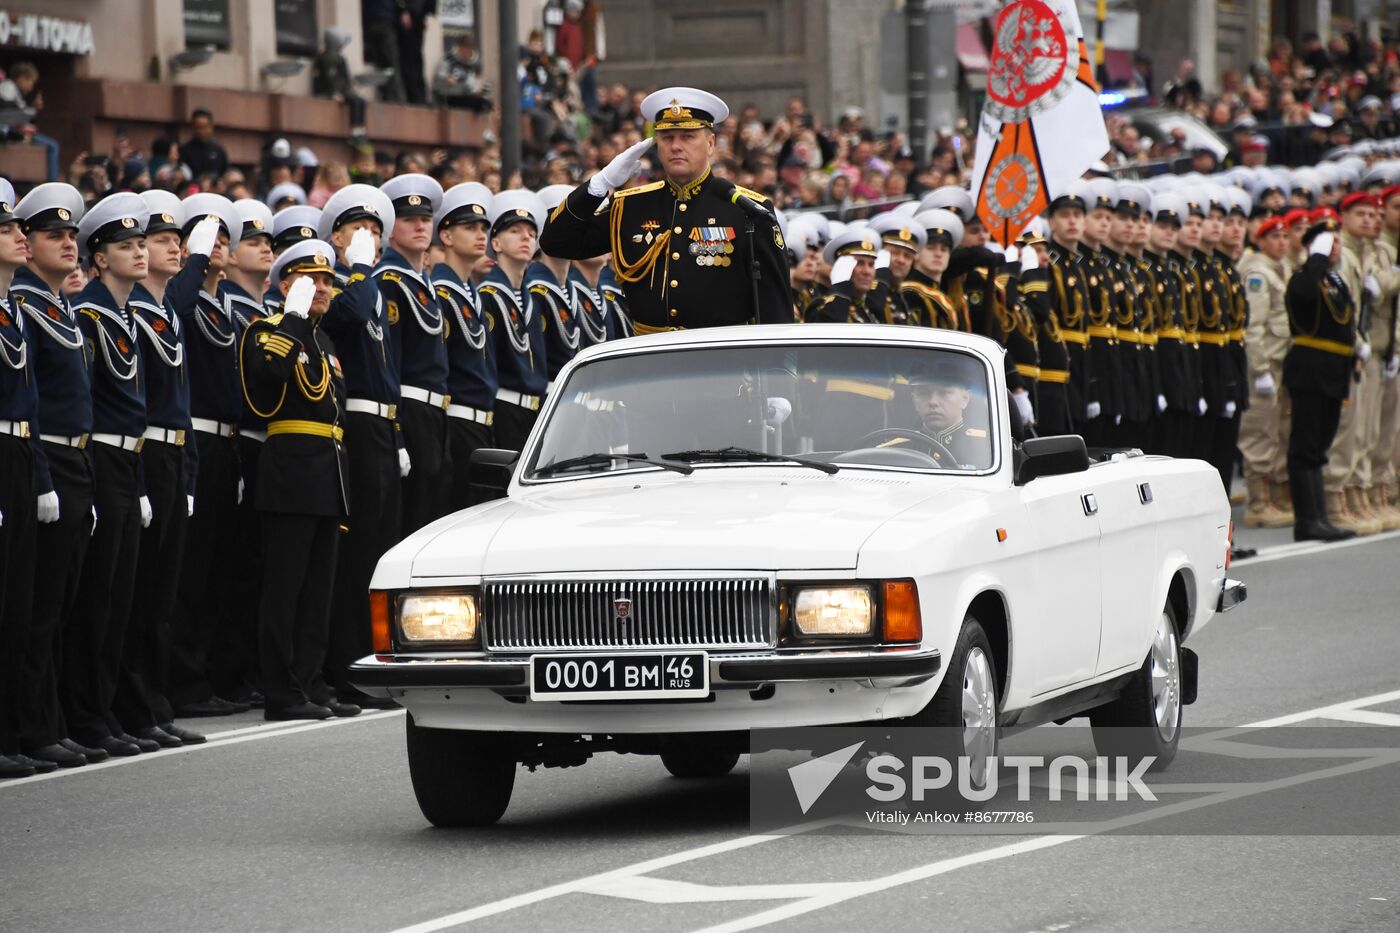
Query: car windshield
x=823 y=406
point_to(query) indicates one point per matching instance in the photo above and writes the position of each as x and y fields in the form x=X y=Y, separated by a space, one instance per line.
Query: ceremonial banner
x=1041 y=125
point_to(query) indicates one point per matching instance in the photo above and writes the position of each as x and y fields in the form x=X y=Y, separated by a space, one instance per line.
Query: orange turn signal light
x=902 y=619
x=379 y=621
x=1001 y=534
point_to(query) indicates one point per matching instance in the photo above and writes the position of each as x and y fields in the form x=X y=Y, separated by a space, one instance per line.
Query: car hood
x=754 y=519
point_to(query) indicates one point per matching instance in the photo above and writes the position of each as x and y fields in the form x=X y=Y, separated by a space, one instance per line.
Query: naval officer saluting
x=679 y=245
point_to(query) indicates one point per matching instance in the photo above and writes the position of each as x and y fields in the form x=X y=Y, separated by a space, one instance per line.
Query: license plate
x=671 y=675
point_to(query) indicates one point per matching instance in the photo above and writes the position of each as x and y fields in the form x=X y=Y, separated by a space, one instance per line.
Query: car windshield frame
x=530 y=457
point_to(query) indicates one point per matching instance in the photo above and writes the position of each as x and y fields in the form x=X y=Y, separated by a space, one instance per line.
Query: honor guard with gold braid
x=1177 y=372
x=902 y=239
x=514 y=316
x=462 y=225
x=678 y=245
x=1229 y=295
x=851 y=300
x=1069 y=298
x=418 y=338
x=357 y=222
x=1136 y=332
x=289 y=225
x=968 y=279
x=547 y=280
x=1051 y=375
x=1208 y=312
x=923 y=291
x=291 y=378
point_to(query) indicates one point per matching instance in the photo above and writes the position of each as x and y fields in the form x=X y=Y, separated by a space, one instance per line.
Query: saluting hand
x=298 y=302
x=360 y=252
x=203 y=237
x=620 y=170
x=1030 y=259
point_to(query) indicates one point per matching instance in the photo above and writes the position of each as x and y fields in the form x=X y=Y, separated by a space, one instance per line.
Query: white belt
x=467 y=413
x=209 y=426
x=173 y=436
x=435 y=399
x=531 y=402
x=79 y=442
x=367 y=407
x=259 y=436
x=17 y=428
x=124 y=441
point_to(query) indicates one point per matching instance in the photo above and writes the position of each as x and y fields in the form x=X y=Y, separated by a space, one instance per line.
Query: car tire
x=967 y=703
x=699 y=762
x=1145 y=720
x=460 y=778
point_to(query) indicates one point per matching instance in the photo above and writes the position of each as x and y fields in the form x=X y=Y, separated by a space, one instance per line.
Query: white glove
x=405 y=464
x=1022 y=400
x=1373 y=287
x=93 y=529
x=2 y=519
x=298 y=300
x=1264 y=385
x=240 y=490
x=203 y=237
x=189 y=506
x=1201 y=406
x=146 y=513
x=1161 y=403
x=619 y=170
x=841 y=269
x=996 y=247
x=1363 y=352
x=1012 y=253
x=1030 y=259
x=48 y=508
x=1392 y=367
x=882 y=259
x=360 y=252
x=1322 y=244
x=1230 y=409
x=778 y=410
x=1092 y=410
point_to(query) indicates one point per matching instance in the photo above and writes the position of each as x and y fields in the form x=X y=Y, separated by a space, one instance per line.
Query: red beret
x=1389 y=193
x=1360 y=199
x=1321 y=214
x=1295 y=217
x=1269 y=226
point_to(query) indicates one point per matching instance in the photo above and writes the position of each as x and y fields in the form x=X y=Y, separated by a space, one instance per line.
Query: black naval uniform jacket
x=678 y=252
x=289 y=372
x=1237 y=320
x=842 y=306
x=1322 y=320
x=1070 y=302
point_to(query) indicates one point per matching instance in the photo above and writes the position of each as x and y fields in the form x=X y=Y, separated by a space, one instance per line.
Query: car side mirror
x=489 y=473
x=1052 y=456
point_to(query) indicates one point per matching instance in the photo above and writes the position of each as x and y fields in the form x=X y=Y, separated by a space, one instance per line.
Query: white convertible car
x=758 y=527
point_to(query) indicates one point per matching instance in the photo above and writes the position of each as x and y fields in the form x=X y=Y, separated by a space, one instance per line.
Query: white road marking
x=218 y=740
x=1304 y=548
x=1370 y=717
x=1322 y=712
x=671 y=891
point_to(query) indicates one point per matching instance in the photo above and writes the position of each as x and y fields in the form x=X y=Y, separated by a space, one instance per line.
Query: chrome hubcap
x=1166 y=680
x=979 y=713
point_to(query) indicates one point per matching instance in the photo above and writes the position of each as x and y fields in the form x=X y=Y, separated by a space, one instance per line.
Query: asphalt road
x=314 y=827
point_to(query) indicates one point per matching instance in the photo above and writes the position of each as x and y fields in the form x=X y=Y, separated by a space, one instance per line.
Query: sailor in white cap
x=290 y=374
x=112 y=234
x=249 y=262
x=547 y=281
x=848 y=301
x=922 y=289
x=416 y=323
x=805 y=254
x=1103 y=310
x=289 y=225
x=462 y=225
x=513 y=317
x=356 y=221
x=1070 y=299
x=903 y=238
x=680 y=246
x=287 y=194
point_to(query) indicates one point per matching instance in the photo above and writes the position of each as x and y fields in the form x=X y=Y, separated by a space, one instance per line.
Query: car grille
x=566 y=614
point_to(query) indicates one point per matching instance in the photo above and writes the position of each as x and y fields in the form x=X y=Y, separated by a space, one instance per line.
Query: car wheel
x=460 y=778
x=1145 y=720
x=967 y=703
x=699 y=762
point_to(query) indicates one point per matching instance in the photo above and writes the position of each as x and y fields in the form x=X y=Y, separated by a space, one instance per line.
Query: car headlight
x=837 y=610
x=439 y=617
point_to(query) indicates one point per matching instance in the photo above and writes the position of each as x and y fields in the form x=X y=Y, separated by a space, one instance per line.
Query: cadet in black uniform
x=679 y=245
x=1177 y=375
x=513 y=318
x=850 y=300
x=594 y=311
x=619 y=317
x=289 y=373
x=418 y=333
x=113 y=235
x=289 y=225
x=1106 y=299
x=19 y=443
x=1203 y=364
x=902 y=238
x=462 y=225
x=1136 y=332
x=1318 y=373
x=928 y=303
x=547 y=281
x=354 y=220
x=1069 y=299
x=63 y=465
x=207 y=581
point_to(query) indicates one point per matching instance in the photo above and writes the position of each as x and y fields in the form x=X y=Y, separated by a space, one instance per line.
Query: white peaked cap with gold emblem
x=941 y=226
x=855 y=240
x=469 y=202
x=291 y=224
x=413 y=194
x=356 y=202
x=116 y=217
x=256 y=217
x=167 y=212
x=304 y=256
x=513 y=206
x=900 y=230
x=202 y=205
x=54 y=205
x=683 y=108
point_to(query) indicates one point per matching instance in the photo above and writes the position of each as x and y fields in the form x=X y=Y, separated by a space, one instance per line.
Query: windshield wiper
x=736 y=454
x=594 y=459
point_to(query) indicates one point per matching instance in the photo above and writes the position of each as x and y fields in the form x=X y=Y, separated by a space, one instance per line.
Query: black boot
x=1311 y=524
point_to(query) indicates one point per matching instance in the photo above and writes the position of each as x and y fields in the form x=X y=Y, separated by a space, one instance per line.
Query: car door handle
x=1091 y=505
x=1144 y=493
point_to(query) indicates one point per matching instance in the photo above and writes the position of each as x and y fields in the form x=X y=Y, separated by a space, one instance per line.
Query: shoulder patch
x=486 y=290
x=1255 y=282
x=750 y=193
x=393 y=312
x=638 y=190
x=975 y=432
x=391 y=277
